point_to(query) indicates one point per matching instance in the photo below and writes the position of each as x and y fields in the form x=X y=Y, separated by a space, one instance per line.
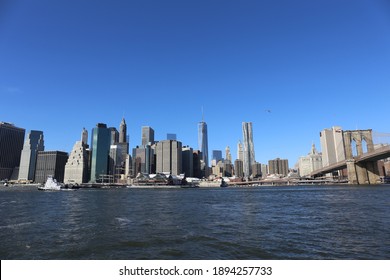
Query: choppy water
x=308 y=222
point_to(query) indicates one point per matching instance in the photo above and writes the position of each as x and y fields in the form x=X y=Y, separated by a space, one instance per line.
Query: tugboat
x=50 y=185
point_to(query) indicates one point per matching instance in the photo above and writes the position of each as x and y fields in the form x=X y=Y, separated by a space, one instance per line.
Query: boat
x=213 y=184
x=50 y=185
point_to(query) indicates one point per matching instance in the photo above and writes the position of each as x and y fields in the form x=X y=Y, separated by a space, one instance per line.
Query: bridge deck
x=377 y=154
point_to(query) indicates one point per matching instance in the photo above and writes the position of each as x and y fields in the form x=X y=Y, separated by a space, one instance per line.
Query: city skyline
x=292 y=69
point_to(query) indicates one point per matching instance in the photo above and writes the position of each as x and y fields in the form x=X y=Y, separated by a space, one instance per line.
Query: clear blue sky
x=69 y=64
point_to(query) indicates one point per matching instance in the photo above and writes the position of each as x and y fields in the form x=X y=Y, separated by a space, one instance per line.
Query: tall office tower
x=11 y=145
x=143 y=160
x=332 y=145
x=228 y=155
x=171 y=136
x=28 y=159
x=77 y=166
x=196 y=156
x=239 y=168
x=100 y=148
x=264 y=170
x=204 y=148
x=188 y=161
x=84 y=137
x=118 y=154
x=249 y=150
x=50 y=163
x=147 y=136
x=169 y=157
x=123 y=131
x=114 y=135
x=309 y=163
x=240 y=151
x=278 y=166
x=217 y=156
x=256 y=170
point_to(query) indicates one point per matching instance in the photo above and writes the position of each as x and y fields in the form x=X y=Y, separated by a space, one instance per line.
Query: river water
x=291 y=222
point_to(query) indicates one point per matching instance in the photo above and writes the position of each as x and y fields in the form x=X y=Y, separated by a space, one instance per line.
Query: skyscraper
x=240 y=151
x=50 y=163
x=84 y=137
x=217 y=156
x=188 y=161
x=147 y=136
x=249 y=150
x=11 y=145
x=238 y=168
x=28 y=159
x=100 y=148
x=143 y=160
x=169 y=157
x=123 y=131
x=119 y=152
x=228 y=155
x=332 y=145
x=203 y=146
x=278 y=166
x=77 y=166
x=114 y=134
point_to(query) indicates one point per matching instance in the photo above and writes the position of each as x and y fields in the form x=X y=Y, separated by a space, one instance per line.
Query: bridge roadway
x=375 y=155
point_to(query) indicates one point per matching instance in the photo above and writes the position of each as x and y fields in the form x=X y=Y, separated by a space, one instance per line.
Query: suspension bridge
x=360 y=152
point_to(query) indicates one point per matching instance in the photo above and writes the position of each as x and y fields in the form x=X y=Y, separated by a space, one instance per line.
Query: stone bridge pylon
x=356 y=143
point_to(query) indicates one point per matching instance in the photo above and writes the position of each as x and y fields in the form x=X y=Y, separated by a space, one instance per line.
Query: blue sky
x=292 y=68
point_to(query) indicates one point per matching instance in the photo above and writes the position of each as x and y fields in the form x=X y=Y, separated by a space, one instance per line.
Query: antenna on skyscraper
x=202 y=115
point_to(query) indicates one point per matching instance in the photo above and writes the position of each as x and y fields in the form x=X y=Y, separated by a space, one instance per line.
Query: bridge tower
x=360 y=172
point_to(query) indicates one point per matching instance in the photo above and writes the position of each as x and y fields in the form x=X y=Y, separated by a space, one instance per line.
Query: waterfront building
x=77 y=166
x=249 y=150
x=11 y=145
x=169 y=157
x=309 y=163
x=188 y=161
x=239 y=168
x=50 y=163
x=147 y=136
x=203 y=147
x=332 y=146
x=278 y=166
x=33 y=144
x=100 y=148
x=240 y=151
x=171 y=136
x=143 y=160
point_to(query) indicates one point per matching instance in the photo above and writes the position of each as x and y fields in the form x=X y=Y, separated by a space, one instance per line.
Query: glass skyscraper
x=249 y=150
x=100 y=144
x=203 y=146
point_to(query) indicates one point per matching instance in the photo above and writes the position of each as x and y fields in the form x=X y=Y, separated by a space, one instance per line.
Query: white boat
x=50 y=185
x=212 y=184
